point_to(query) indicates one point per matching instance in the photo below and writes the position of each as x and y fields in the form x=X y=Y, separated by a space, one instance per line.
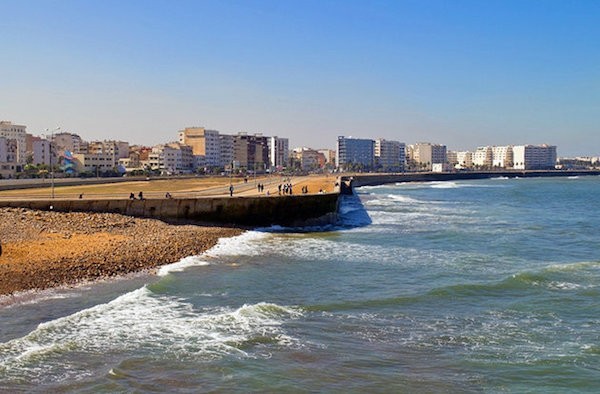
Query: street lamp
x=51 y=167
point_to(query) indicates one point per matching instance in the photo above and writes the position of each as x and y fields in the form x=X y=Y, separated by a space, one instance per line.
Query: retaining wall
x=381 y=179
x=298 y=210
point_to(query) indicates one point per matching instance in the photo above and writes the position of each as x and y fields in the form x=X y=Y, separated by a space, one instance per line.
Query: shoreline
x=43 y=250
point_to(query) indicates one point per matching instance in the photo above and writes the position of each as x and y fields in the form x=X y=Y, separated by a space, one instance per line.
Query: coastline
x=42 y=250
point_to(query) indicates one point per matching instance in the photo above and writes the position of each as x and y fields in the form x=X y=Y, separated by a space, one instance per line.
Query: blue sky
x=462 y=73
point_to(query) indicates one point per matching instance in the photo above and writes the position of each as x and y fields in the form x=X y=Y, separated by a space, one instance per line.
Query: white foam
x=444 y=185
x=246 y=244
x=140 y=320
x=181 y=265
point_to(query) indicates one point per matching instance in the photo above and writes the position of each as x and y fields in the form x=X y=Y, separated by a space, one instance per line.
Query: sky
x=460 y=73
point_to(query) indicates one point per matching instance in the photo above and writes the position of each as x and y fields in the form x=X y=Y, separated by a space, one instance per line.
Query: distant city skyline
x=463 y=74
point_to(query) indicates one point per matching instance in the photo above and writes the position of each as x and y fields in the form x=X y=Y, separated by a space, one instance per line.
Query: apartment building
x=68 y=142
x=426 y=154
x=278 y=151
x=534 y=157
x=309 y=159
x=204 y=143
x=18 y=133
x=502 y=156
x=355 y=153
x=172 y=158
x=251 y=151
x=8 y=158
x=390 y=156
x=483 y=157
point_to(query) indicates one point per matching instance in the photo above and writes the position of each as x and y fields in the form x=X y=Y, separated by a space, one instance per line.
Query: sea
x=458 y=286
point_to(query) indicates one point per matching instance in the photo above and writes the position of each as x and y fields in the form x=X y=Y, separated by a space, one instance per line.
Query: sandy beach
x=48 y=249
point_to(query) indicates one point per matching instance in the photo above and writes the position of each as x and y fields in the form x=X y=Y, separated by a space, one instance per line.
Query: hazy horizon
x=464 y=73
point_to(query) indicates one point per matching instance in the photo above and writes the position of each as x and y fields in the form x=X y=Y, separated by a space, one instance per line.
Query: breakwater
x=348 y=182
x=295 y=210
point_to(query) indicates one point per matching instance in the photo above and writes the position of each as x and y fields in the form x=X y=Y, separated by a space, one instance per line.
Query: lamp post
x=51 y=166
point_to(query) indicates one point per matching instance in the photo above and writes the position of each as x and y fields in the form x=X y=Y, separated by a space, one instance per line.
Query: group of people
x=285 y=188
x=260 y=187
x=140 y=196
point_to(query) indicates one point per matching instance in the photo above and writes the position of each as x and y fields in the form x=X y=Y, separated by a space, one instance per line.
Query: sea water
x=466 y=286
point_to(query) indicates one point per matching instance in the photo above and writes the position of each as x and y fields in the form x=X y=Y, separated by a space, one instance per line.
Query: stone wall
x=299 y=210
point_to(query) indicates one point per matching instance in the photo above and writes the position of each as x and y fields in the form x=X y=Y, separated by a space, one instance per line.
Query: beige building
x=483 y=157
x=203 y=142
x=464 y=159
x=69 y=142
x=425 y=154
x=17 y=133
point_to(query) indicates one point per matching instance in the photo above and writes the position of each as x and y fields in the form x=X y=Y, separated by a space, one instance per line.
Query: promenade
x=155 y=188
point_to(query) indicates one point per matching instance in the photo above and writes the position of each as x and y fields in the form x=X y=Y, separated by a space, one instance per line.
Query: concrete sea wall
x=298 y=210
x=381 y=179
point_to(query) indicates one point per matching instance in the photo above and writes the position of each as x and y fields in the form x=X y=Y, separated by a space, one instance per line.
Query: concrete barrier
x=295 y=210
x=382 y=179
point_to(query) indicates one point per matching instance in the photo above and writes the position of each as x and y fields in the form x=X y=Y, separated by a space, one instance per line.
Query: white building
x=17 y=133
x=172 y=158
x=279 y=149
x=464 y=159
x=43 y=152
x=502 y=156
x=534 y=157
x=227 y=146
x=390 y=156
x=483 y=157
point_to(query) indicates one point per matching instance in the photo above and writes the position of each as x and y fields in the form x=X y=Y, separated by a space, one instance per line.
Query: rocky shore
x=48 y=249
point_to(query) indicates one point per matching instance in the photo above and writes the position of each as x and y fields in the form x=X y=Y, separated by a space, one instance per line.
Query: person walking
x=230 y=190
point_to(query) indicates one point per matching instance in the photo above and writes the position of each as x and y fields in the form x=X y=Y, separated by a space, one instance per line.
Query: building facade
x=483 y=157
x=425 y=154
x=279 y=149
x=19 y=134
x=502 y=156
x=251 y=151
x=534 y=157
x=68 y=142
x=204 y=143
x=355 y=154
x=390 y=156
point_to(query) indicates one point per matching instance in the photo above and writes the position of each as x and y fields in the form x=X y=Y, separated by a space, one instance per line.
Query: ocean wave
x=181 y=265
x=140 y=320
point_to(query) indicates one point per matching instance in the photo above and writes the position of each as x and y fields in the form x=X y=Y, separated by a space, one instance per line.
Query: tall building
x=534 y=157
x=355 y=153
x=278 y=151
x=251 y=151
x=483 y=157
x=426 y=154
x=227 y=144
x=502 y=156
x=17 y=133
x=204 y=143
x=390 y=156
x=8 y=157
x=43 y=152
